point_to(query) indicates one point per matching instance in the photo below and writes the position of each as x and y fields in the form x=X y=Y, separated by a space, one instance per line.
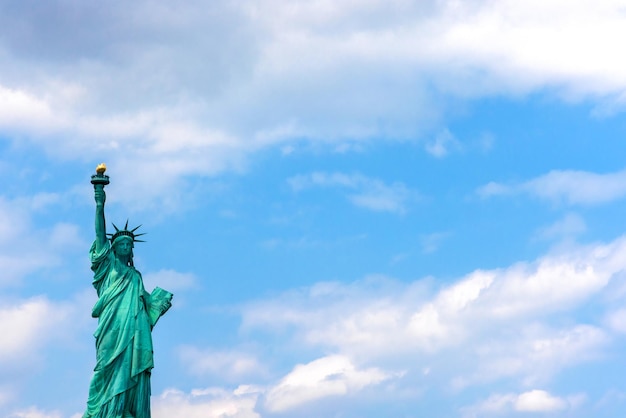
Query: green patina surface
x=120 y=387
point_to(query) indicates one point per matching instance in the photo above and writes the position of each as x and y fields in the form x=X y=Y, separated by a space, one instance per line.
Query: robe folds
x=120 y=387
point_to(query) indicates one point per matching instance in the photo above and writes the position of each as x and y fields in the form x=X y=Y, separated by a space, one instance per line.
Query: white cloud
x=26 y=325
x=538 y=401
x=494 y=404
x=366 y=314
x=503 y=324
x=505 y=42
x=23 y=111
x=372 y=194
x=566 y=187
x=144 y=97
x=207 y=403
x=553 y=282
x=443 y=143
x=535 y=355
x=578 y=187
x=321 y=378
x=532 y=401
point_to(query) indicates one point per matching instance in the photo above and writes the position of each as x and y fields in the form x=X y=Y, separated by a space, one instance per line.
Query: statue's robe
x=120 y=387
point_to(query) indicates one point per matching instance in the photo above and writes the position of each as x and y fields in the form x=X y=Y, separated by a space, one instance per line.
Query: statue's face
x=123 y=247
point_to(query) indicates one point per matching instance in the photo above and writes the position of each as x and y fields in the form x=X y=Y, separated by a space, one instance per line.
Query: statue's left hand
x=165 y=306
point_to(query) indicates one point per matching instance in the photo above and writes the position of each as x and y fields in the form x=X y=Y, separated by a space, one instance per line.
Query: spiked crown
x=125 y=233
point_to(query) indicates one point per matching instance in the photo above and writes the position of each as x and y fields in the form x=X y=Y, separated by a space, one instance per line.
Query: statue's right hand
x=100 y=195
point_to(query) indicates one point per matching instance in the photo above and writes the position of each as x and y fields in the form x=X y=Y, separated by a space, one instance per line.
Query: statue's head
x=123 y=241
x=123 y=246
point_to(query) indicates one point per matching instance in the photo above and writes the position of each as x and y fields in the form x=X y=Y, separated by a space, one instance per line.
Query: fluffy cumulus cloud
x=502 y=324
x=21 y=110
x=207 y=403
x=538 y=401
x=26 y=325
x=192 y=91
x=321 y=378
x=533 y=401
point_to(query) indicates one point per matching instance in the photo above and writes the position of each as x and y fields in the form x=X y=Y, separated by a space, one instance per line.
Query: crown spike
x=126 y=226
x=136 y=228
x=116 y=228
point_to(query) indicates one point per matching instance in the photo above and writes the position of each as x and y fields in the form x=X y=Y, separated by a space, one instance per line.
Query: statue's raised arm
x=99 y=180
x=101 y=233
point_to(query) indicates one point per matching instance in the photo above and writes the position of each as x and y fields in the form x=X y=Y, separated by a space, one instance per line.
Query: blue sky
x=364 y=208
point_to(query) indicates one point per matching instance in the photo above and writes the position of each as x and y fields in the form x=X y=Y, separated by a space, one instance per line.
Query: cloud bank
x=196 y=90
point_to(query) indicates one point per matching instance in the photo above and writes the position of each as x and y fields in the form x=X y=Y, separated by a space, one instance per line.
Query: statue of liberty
x=120 y=387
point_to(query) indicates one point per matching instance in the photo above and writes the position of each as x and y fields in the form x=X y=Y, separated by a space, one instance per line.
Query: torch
x=100 y=179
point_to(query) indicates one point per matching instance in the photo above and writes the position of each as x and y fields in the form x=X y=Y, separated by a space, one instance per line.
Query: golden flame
x=101 y=168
